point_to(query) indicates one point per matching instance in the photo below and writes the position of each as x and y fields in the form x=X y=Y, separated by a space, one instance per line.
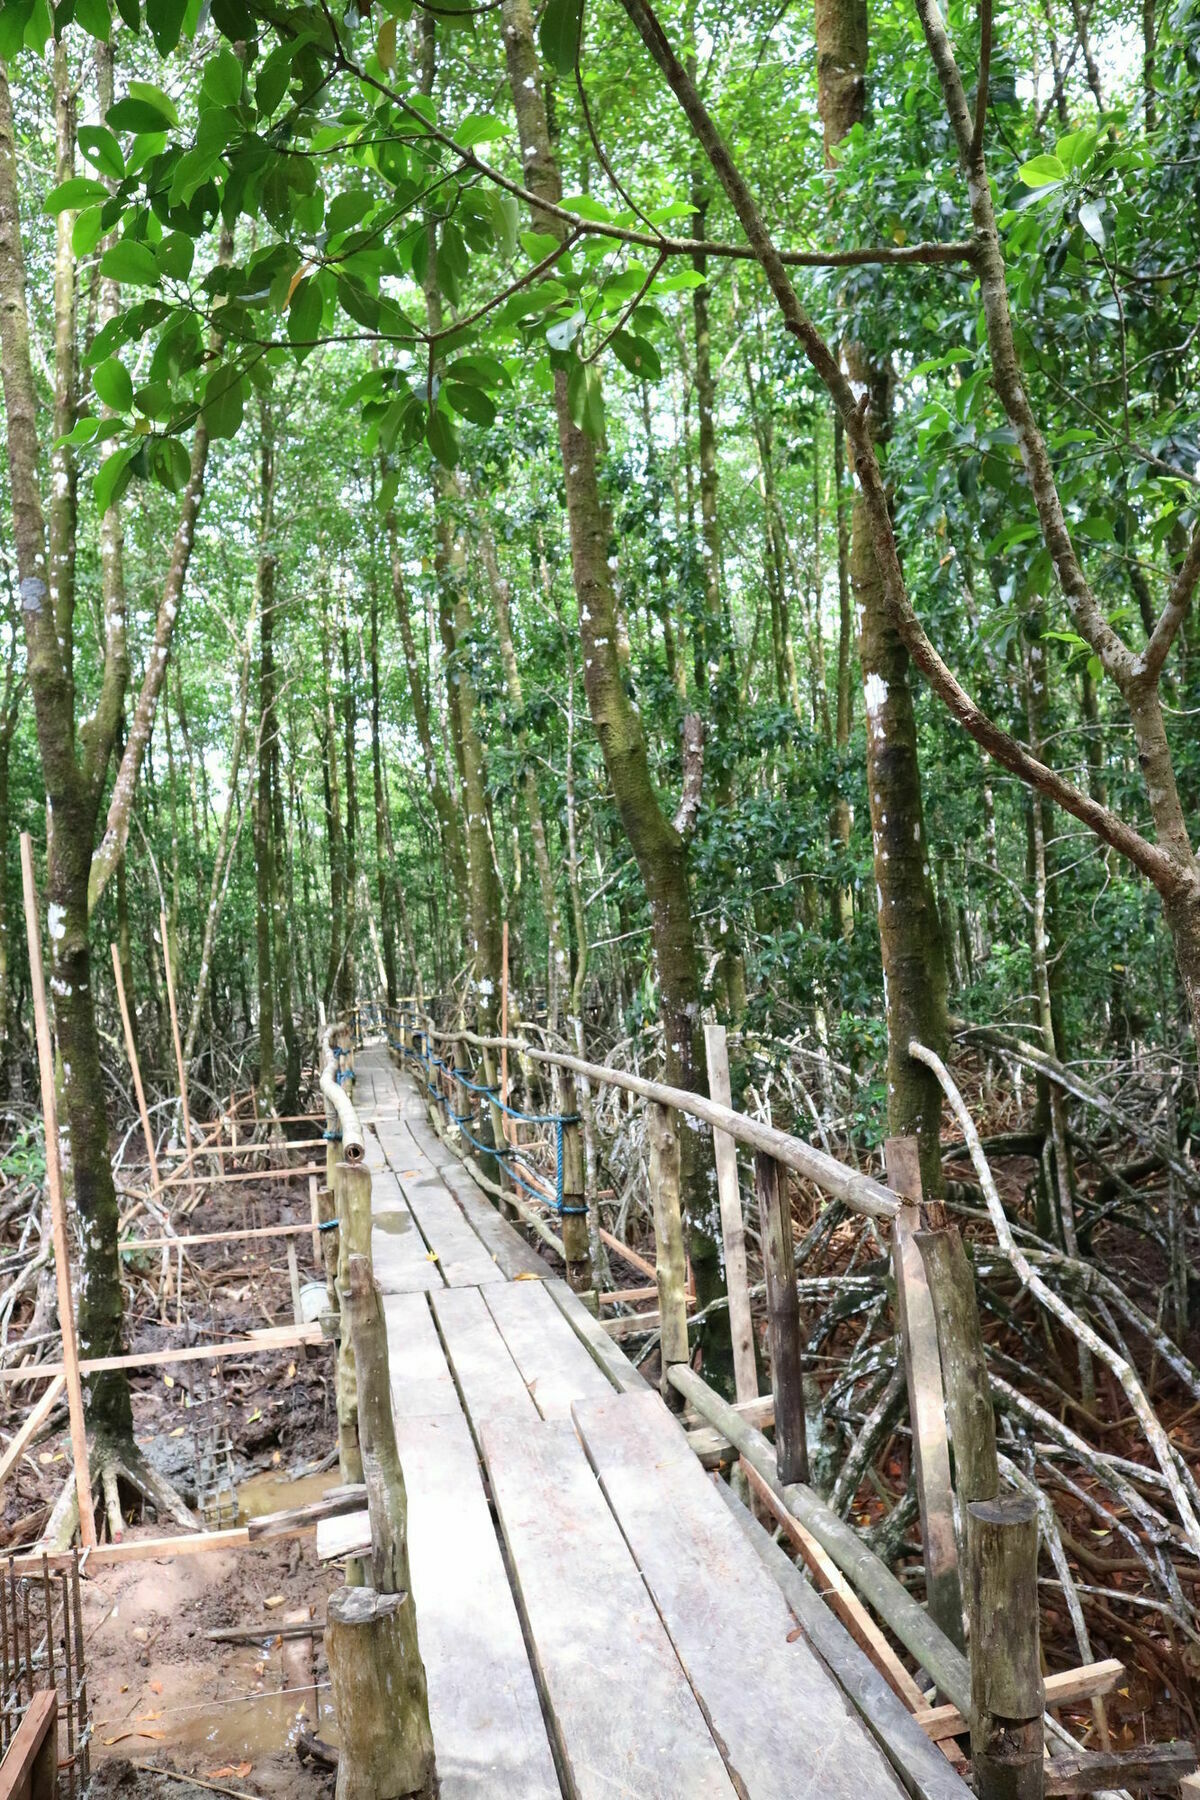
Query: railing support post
x=923 y=1369
x=783 y=1318
x=352 y=1196
x=1007 y=1694
x=577 y=1247
x=670 y=1263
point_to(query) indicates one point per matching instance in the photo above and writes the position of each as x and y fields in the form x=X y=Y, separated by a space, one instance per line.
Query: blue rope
x=332 y=1137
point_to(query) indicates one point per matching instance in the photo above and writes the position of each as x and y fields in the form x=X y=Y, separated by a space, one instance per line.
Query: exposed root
x=119 y=1458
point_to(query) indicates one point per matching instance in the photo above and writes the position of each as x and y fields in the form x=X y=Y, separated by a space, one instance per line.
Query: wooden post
x=315 y=1213
x=58 y=1211
x=783 y=1318
x=1007 y=1696
x=131 y=1052
x=378 y=1687
x=326 y=1214
x=918 y=1334
x=733 y=1230
x=504 y=1122
x=577 y=1247
x=670 y=1264
x=964 y=1364
x=352 y=1199
x=183 y=1095
x=387 y=1501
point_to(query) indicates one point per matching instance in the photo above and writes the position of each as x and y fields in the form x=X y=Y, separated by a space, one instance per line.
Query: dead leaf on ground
x=240 y=1770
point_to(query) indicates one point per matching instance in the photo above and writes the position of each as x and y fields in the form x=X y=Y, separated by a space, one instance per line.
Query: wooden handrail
x=353 y=1148
x=860 y=1193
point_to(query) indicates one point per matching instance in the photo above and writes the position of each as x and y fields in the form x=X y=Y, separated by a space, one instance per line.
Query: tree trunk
x=909 y=933
x=660 y=851
x=384 y=872
x=348 y=984
x=264 y=849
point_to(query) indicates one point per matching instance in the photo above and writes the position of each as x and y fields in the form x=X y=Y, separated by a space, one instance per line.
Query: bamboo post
x=783 y=1318
x=131 y=1052
x=733 y=1229
x=918 y=1334
x=1007 y=1695
x=58 y=1211
x=352 y=1200
x=577 y=1247
x=670 y=1264
x=183 y=1096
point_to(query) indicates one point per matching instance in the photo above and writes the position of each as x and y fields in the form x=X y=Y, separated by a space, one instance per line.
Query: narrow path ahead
x=593 y=1621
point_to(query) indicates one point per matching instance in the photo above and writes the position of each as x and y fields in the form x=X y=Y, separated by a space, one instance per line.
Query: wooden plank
x=30 y=1767
x=464 y=1260
x=556 y=1368
x=272 y=1337
x=594 y=1338
x=400 y=1256
x=922 y=1767
x=487 y=1377
x=418 y=1373
x=626 y=1722
x=786 y=1729
x=840 y=1595
x=349 y=1535
x=31 y=1427
x=507 y=1248
x=1068 y=1685
x=483 y=1700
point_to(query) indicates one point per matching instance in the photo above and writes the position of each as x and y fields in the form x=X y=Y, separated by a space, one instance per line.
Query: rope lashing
x=332 y=1137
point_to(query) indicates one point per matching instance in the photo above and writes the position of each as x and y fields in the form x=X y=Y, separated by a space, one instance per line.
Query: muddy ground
x=162 y=1694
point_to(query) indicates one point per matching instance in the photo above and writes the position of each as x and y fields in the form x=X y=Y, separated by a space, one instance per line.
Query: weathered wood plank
x=349 y=1535
x=488 y=1728
x=399 y=1253
x=465 y=1262
x=420 y=1379
x=488 y=1379
x=511 y=1254
x=556 y=1368
x=588 y=1614
x=595 y=1339
x=30 y=1767
x=787 y=1730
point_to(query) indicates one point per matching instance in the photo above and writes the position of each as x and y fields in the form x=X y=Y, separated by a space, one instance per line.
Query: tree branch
x=1150 y=663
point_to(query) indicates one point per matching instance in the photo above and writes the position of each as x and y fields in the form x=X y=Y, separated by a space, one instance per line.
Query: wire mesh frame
x=207 y=1419
x=41 y=1646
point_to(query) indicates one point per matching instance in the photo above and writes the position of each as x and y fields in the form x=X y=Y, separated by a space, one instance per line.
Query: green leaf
x=506 y=217
x=130 y=262
x=1042 y=170
x=638 y=355
x=585 y=398
x=150 y=95
x=273 y=78
x=77 y=192
x=471 y=403
x=304 y=315
x=93 y=17
x=165 y=19
x=1092 y=222
x=113 y=385
x=480 y=128
x=170 y=463
x=1074 y=149
x=83 y=431
x=131 y=12
x=102 y=150
x=558 y=34
x=345 y=210
x=222 y=79
x=441 y=438
x=113 y=477
x=223 y=401
x=135 y=116
x=14 y=17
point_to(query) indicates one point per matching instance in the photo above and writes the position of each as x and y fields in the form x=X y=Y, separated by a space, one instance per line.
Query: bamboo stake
x=183 y=1099
x=131 y=1052
x=58 y=1211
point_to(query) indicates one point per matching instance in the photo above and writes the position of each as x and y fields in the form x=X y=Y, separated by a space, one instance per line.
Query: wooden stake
x=315 y=1211
x=30 y=1428
x=1007 y=1696
x=504 y=1026
x=926 y=1395
x=58 y=1211
x=783 y=1318
x=135 y=1067
x=670 y=1269
x=733 y=1231
x=183 y=1097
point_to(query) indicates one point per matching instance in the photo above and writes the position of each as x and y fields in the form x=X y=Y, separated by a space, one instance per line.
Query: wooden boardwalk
x=593 y=1620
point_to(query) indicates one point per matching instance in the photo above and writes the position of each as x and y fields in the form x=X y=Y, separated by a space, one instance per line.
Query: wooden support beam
x=273 y=1337
x=31 y=1427
x=243 y=1234
x=295 y=1172
x=631 y=1256
x=58 y=1211
x=30 y=1767
x=1087 y=1682
x=733 y=1225
x=671 y=1264
x=1156 y=1766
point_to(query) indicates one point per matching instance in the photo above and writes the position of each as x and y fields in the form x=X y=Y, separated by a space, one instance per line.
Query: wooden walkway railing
x=980 y=1572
